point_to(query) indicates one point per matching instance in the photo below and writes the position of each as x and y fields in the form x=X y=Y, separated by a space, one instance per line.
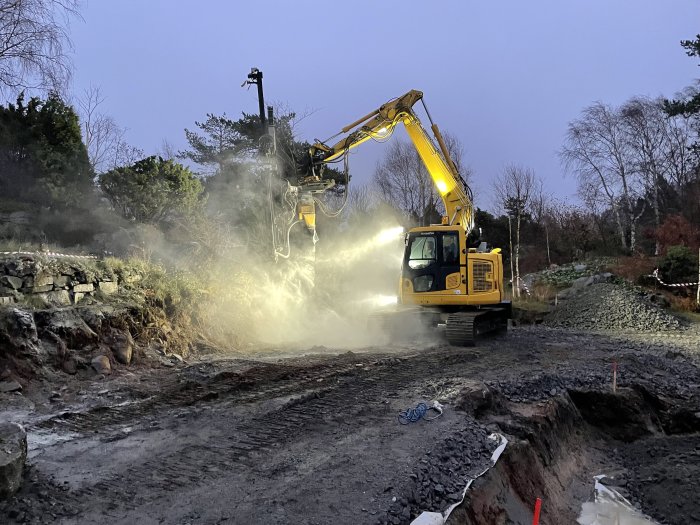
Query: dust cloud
x=321 y=295
x=312 y=299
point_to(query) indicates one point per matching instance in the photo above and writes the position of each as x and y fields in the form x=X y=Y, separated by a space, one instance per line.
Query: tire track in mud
x=239 y=443
x=263 y=381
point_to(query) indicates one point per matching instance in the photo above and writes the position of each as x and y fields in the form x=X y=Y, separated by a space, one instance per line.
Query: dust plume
x=322 y=301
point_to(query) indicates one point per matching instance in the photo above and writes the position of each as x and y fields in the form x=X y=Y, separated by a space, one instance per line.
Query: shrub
x=679 y=265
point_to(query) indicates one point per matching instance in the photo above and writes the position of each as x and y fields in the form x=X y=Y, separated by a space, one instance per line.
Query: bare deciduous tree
x=361 y=201
x=167 y=151
x=403 y=181
x=541 y=207
x=645 y=126
x=100 y=131
x=680 y=157
x=596 y=149
x=125 y=154
x=33 y=43
x=515 y=189
x=104 y=138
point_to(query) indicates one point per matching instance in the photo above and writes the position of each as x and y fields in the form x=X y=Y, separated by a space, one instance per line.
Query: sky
x=504 y=76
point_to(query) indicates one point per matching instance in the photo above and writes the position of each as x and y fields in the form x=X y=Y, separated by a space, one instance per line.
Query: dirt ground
x=314 y=438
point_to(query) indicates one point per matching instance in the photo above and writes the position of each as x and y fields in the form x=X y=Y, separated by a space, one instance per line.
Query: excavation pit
x=648 y=448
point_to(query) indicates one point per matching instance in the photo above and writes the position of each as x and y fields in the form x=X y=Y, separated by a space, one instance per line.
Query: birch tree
x=34 y=44
x=515 y=189
x=597 y=151
x=644 y=124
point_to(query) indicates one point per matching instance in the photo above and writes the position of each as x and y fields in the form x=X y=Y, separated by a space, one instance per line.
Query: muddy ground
x=315 y=439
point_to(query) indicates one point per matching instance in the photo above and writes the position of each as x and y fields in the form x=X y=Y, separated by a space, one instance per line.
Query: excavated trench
x=646 y=445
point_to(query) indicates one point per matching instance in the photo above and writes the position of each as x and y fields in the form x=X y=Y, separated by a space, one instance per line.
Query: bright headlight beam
x=388 y=235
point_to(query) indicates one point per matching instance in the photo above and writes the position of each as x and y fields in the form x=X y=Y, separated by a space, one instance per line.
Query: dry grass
x=634 y=269
x=541 y=295
x=684 y=304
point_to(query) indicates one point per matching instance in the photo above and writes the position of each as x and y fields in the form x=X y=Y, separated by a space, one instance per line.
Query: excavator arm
x=379 y=124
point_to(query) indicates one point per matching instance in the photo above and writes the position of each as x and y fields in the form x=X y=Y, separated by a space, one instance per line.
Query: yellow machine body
x=441 y=272
x=474 y=279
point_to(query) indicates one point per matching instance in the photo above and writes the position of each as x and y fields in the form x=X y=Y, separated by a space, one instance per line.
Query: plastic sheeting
x=610 y=508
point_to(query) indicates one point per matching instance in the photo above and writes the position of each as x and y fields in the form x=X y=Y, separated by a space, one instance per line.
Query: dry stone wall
x=53 y=282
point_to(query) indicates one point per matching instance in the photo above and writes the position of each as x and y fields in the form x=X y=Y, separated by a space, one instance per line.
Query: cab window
x=450 y=248
x=422 y=253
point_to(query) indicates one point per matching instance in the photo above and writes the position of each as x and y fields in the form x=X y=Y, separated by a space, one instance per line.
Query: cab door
x=449 y=273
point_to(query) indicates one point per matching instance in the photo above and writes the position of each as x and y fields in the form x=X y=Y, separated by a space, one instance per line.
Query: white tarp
x=610 y=508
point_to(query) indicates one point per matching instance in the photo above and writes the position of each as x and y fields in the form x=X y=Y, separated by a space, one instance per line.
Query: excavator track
x=463 y=328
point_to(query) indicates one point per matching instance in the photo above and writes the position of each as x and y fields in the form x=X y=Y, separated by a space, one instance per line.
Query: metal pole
x=261 y=100
x=256 y=77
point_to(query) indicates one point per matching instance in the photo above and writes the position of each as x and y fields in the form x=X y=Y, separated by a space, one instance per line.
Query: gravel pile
x=607 y=306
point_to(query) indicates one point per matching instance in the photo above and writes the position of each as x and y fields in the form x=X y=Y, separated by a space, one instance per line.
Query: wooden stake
x=614 y=377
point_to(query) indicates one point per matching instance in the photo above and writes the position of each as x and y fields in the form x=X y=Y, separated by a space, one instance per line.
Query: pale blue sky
x=504 y=76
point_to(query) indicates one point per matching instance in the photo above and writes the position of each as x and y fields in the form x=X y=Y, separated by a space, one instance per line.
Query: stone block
x=108 y=287
x=7 y=300
x=43 y=279
x=13 y=454
x=57 y=297
x=83 y=288
x=12 y=282
x=41 y=289
x=77 y=297
x=61 y=281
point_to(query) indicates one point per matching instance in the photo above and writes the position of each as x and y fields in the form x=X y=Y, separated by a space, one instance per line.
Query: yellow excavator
x=444 y=280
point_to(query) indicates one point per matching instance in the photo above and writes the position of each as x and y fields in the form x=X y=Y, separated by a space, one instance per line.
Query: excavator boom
x=379 y=124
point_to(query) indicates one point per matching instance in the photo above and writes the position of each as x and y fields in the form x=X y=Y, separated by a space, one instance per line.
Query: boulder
x=101 y=364
x=68 y=325
x=10 y=386
x=13 y=454
x=122 y=346
x=474 y=398
x=69 y=366
x=16 y=324
x=11 y=282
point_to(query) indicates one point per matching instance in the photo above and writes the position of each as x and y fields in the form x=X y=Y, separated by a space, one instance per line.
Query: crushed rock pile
x=607 y=306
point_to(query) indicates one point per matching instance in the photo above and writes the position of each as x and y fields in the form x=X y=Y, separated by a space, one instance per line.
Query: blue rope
x=412 y=415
